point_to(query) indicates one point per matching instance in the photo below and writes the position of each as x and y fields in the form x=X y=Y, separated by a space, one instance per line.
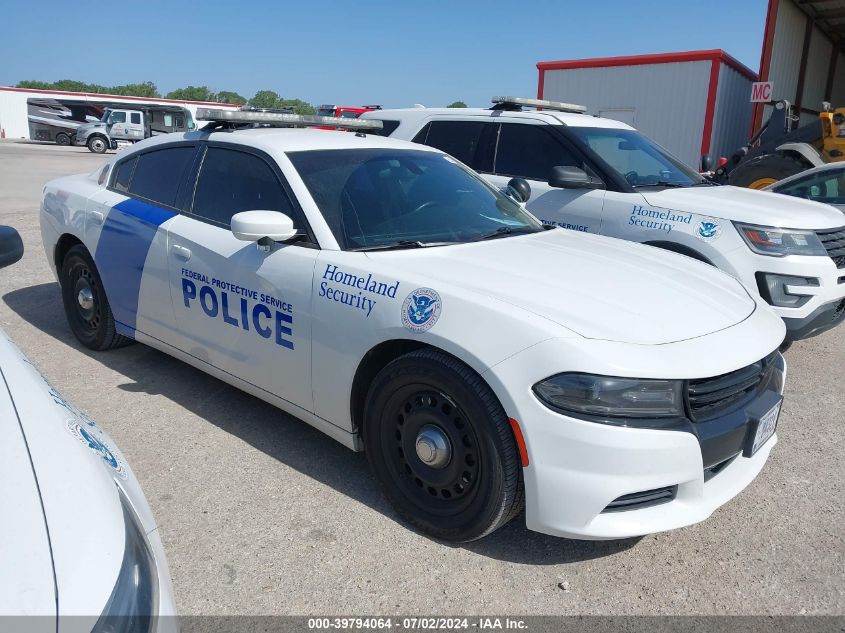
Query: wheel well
x=65 y=243
x=372 y=363
x=681 y=250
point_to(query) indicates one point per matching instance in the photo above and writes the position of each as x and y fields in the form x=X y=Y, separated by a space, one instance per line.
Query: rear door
x=242 y=310
x=135 y=125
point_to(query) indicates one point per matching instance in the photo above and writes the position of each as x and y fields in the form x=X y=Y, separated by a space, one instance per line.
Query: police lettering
x=237 y=312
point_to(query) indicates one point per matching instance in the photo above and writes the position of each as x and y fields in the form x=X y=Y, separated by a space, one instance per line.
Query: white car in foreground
x=594 y=175
x=387 y=295
x=79 y=549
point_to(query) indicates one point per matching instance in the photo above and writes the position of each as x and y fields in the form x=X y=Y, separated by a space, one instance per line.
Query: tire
x=89 y=315
x=477 y=488
x=98 y=144
x=765 y=170
x=785 y=346
x=62 y=139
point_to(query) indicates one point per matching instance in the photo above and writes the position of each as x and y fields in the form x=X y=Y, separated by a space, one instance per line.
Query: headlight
x=769 y=240
x=134 y=600
x=606 y=397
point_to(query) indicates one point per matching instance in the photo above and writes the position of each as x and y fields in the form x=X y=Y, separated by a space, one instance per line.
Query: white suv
x=601 y=176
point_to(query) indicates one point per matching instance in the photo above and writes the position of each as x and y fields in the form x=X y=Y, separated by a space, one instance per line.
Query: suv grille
x=834 y=242
x=710 y=397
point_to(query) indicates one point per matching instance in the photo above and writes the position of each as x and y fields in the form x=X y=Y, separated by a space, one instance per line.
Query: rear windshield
x=376 y=197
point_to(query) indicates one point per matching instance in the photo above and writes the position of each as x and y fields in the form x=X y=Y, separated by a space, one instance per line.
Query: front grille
x=710 y=397
x=644 y=499
x=834 y=243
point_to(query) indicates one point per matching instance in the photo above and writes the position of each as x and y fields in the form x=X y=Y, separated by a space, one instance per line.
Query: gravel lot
x=260 y=514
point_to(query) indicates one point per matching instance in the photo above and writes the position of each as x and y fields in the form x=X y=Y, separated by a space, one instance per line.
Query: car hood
x=78 y=470
x=747 y=205
x=597 y=287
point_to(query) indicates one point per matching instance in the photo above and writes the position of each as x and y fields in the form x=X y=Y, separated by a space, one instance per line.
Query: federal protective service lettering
x=239 y=306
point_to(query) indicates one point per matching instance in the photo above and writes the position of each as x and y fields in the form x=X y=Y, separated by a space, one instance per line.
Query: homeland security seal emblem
x=708 y=230
x=421 y=309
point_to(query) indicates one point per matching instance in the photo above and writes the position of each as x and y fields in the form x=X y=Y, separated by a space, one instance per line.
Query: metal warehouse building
x=692 y=103
x=24 y=113
x=700 y=102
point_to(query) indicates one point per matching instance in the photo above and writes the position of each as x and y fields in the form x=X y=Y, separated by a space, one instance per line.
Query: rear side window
x=530 y=151
x=135 y=117
x=471 y=142
x=123 y=174
x=387 y=128
x=159 y=173
x=231 y=181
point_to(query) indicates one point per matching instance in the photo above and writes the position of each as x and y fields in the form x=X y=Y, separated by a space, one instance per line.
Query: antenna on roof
x=517 y=103
x=234 y=119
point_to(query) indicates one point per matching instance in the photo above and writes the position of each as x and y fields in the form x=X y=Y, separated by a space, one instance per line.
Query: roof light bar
x=541 y=103
x=277 y=118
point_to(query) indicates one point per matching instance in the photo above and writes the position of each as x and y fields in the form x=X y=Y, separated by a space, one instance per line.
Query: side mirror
x=11 y=246
x=707 y=163
x=572 y=178
x=264 y=227
x=518 y=189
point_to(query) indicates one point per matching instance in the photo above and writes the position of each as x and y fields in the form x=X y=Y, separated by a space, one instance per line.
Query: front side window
x=530 y=151
x=231 y=181
x=118 y=117
x=827 y=187
x=374 y=198
x=158 y=174
x=642 y=161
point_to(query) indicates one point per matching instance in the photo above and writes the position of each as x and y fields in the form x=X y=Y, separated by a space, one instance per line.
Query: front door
x=242 y=310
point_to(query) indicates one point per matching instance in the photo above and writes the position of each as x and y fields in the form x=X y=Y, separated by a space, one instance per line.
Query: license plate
x=762 y=428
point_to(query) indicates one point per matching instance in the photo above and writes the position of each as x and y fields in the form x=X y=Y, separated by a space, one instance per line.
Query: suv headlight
x=769 y=240
x=133 y=602
x=604 y=397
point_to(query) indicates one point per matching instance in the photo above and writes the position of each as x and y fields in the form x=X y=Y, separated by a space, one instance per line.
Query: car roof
x=804 y=174
x=283 y=140
x=552 y=117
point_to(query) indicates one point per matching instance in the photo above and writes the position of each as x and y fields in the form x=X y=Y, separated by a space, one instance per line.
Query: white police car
x=597 y=175
x=78 y=543
x=387 y=295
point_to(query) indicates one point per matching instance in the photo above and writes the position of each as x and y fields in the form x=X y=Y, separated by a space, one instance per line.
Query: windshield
x=105 y=117
x=642 y=161
x=381 y=197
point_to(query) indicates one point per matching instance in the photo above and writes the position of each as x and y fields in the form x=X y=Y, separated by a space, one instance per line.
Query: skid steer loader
x=775 y=151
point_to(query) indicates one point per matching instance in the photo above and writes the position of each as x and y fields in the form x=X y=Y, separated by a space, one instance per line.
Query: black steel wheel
x=85 y=302
x=441 y=445
x=62 y=139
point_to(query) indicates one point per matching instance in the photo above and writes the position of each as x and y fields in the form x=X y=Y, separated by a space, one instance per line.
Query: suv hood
x=598 y=287
x=747 y=205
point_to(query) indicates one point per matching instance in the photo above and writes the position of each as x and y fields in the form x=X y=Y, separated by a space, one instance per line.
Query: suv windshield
x=377 y=198
x=642 y=161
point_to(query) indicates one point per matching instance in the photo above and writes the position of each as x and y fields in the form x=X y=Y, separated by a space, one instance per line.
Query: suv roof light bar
x=508 y=103
x=277 y=118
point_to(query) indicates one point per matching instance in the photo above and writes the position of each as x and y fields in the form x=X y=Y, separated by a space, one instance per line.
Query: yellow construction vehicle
x=776 y=151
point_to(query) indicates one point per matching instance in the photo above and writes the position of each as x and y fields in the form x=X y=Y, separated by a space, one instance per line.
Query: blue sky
x=353 y=52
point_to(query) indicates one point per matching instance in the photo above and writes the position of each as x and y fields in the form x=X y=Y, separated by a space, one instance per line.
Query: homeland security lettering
x=249 y=309
x=661 y=220
x=353 y=299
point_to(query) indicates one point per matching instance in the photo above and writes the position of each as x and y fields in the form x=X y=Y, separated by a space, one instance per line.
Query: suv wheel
x=97 y=144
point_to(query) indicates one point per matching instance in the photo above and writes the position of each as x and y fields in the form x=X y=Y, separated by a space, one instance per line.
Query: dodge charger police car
x=595 y=175
x=386 y=294
x=78 y=544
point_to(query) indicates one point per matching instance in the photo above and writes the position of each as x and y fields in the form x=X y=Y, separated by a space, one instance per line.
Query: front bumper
x=823 y=318
x=578 y=470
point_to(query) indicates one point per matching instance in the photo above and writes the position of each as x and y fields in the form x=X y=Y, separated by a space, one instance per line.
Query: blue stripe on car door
x=127 y=234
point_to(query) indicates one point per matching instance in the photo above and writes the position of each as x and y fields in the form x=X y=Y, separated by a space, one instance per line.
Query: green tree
x=225 y=96
x=265 y=99
x=457 y=104
x=146 y=89
x=192 y=93
x=297 y=105
x=33 y=85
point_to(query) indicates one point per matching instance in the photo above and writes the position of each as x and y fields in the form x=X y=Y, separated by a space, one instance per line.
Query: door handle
x=181 y=251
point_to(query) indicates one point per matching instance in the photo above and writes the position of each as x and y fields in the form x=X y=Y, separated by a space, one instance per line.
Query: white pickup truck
x=132 y=125
x=601 y=176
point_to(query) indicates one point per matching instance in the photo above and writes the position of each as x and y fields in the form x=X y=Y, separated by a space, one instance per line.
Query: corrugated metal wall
x=668 y=100
x=732 y=113
x=838 y=96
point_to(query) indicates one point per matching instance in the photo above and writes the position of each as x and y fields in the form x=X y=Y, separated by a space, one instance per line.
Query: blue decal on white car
x=128 y=232
x=708 y=229
x=421 y=309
